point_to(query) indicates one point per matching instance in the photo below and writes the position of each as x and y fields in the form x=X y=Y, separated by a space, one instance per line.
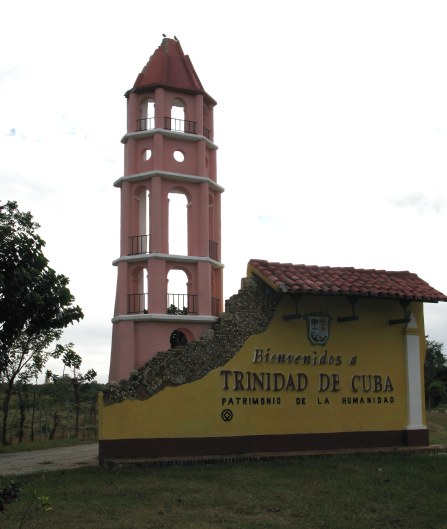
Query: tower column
x=201 y=157
x=126 y=217
x=217 y=223
x=133 y=113
x=156 y=215
x=199 y=113
x=157 y=286
x=204 y=287
x=160 y=111
x=204 y=220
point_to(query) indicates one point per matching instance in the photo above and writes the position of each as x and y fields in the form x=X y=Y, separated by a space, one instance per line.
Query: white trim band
x=165 y=317
x=179 y=177
x=167 y=257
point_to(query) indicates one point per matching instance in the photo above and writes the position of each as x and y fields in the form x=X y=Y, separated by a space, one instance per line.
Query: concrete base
x=208 y=446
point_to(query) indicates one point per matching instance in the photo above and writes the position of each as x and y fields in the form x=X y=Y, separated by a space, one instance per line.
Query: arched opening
x=138 y=298
x=140 y=243
x=147 y=114
x=178 y=224
x=178 y=115
x=178 y=300
x=144 y=212
x=177 y=338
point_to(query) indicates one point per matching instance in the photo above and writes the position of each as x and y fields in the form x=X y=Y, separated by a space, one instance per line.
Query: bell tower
x=169 y=151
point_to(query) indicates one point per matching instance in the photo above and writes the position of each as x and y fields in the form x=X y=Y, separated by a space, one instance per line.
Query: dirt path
x=49 y=459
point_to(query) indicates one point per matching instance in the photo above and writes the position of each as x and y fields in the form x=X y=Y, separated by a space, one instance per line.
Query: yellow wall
x=367 y=347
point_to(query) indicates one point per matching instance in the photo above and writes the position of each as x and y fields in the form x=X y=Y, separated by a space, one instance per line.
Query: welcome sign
x=282 y=391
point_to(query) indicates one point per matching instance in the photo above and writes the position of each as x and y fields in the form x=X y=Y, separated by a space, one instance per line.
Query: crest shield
x=318 y=328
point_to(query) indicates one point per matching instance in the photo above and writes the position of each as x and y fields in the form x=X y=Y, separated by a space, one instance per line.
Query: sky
x=331 y=125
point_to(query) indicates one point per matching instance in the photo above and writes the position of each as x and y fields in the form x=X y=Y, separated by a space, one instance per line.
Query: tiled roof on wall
x=347 y=281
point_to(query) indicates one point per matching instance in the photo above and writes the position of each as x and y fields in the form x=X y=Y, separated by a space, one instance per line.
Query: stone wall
x=247 y=313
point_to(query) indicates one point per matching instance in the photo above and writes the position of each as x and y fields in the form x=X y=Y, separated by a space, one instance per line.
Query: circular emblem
x=226 y=415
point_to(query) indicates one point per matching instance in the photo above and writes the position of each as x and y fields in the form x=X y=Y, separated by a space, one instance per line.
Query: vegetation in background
x=74 y=382
x=52 y=415
x=435 y=374
x=8 y=494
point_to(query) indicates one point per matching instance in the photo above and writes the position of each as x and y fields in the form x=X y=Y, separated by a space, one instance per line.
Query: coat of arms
x=318 y=328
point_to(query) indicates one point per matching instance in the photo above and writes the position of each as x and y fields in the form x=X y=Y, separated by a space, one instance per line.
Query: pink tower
x=169 y=150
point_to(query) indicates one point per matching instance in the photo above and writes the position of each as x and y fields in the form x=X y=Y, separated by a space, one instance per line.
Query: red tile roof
x=302 y=279
x=171 y=68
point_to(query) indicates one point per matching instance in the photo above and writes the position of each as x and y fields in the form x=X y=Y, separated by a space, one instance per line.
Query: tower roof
x=169 y=67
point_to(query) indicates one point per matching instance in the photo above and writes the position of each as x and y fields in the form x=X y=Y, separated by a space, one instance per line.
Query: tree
x=35 y=302
x=435 y=373
x=22 y=388
x=34 y=299
x=436 y=393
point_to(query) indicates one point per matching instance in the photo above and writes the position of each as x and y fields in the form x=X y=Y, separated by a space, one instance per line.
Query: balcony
x=178 y=304
x=182 y=303
x=180 y=125
x=137 y=303
x=139 y=244
x=146 y=124
x=174 y=124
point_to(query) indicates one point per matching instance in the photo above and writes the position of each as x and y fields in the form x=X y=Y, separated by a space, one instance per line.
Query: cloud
x=17 y=185
x=8 y=74
x=266 y=219
x=421 y=202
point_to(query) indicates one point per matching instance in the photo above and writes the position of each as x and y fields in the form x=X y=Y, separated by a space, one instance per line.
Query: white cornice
x=167 y=257
x=166 y=318
x=179 y=177
x=168 y=134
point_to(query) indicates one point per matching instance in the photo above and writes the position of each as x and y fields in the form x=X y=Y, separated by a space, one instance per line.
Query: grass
x=368 y=492
x=363 y=491
x=437 y=424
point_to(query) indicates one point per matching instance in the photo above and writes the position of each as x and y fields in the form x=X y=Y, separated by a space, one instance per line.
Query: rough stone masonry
x=247 y=313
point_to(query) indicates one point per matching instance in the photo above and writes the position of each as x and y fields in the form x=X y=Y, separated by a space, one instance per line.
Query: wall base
x=153 y=448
